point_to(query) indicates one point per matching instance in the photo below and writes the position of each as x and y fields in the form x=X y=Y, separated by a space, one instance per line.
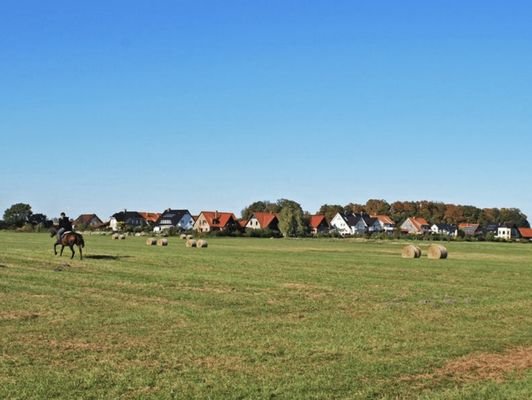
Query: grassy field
x=263 y=319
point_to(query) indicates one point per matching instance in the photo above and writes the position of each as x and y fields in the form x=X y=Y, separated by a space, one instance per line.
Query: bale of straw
x=122 y=237
x=202 y=243
x=189 y=237
x=437 y=251
x=411 y=251
x=151 y=242
x=115 y=236
x=162 y=242
x=190 y=243
x=183 y=236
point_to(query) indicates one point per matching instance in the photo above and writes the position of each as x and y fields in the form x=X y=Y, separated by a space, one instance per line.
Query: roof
x=469 y=229
x=243 y=222
x=446 y=227
x=317 y=220
x=174 y=215
x=122 y=216
x=217 y=219
x=418 y=222
x=526 y=233
x=86 y=219
x=149 y=216
x=384 y=219
x=265 y=218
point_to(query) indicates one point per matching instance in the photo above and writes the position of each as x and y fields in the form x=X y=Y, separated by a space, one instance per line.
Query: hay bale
x=437 y=252
x=189 y=237
x=190 y=243
x=162 y=242
x=202 y=243
x=411 y=251
x=151 y=242
x=115 y=236
x=183 y=236
x=122 y=237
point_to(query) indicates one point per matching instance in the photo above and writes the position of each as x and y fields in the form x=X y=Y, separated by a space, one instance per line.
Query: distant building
x=131 y=219
x=444 y=229
x=318 y=224
x=88 y=220
x=415 y=226
x=179 y=219
x=263 y=220
x=386 y=223
x=209 y=221
x=470 y=229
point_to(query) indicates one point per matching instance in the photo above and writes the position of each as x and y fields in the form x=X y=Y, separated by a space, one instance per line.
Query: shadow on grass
x=104 y=257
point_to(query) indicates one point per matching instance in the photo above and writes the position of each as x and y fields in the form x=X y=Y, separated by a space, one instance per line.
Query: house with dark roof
x=87 y=221
x=415 y=226
x=507 y=232
x=355 y=224
x=263 y=220
x=209 y=221
x=318 y=224
x=178 y=219
x=444 y=229
x=130 y=219
x=470 y=229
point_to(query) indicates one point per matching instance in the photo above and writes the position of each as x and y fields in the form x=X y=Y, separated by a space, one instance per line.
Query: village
x=342 y=224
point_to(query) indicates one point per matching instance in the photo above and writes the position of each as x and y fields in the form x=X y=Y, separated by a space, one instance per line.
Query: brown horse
x=69 y=239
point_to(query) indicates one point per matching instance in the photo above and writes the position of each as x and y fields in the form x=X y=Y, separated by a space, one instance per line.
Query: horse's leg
x=72 y=250
x=62 y=248
x=55 y=248
x=80 y=253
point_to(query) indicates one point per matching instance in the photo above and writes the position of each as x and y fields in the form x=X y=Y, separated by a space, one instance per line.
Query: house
x=444 y=229
x=151 y=218
x=415 y=226
x=507 y=232
x=470 y=229
x=318 y=224
x=88 y=221
x=525 y=233
x=242 y=222
x=127 y=218
x=355 y=224
x=178 y=219
x=386 y=223
x=263 y=220
x=344 y=223
x=209 y=221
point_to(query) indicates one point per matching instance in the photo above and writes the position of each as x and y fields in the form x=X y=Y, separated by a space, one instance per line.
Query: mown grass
x=259 y=319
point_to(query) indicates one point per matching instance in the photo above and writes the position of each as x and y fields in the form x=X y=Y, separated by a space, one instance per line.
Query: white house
x=179 y=219
x=444 y=229
x=355 y=224
x=343 y=224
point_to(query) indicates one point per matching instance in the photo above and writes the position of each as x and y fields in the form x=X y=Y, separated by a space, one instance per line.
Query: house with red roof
x=525 y=233
x=470 y=229
x=415 y=226
x=263 y=220
x=386 y=223
x=318 y=224
x=150 y=217
x=210 y=221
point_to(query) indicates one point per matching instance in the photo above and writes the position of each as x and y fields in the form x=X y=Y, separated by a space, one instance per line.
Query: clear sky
x=145 y=105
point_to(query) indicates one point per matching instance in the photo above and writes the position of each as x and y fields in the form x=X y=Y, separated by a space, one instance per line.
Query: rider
x=64 y=225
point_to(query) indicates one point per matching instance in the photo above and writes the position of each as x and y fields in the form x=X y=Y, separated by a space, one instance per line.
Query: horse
x=69 y=239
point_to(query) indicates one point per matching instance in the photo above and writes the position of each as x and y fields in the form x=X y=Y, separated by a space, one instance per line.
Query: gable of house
x=263 y=220
x=88 y=220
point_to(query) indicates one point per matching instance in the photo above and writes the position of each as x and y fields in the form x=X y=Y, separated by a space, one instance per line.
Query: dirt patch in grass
x=479 y=367
x=19 y=315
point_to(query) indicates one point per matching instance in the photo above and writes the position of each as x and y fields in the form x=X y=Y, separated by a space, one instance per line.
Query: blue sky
x=106 y=105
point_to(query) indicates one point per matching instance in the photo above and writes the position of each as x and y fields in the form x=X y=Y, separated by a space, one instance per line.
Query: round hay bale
x=190 y=243
x=202 y=243
x=411 y=251
x=115 y=236
x=183 y=236
x=151 y=242
x=437 y=252
x=122 y=237
x=162 y=242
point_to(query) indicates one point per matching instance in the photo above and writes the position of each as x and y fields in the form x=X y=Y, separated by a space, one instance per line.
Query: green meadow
x=264 y=319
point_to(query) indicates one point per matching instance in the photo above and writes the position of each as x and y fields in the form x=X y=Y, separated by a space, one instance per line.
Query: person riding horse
x=64 y=226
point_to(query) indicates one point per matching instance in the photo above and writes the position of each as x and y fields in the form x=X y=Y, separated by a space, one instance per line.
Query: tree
x=513 y=216
x=330 y=210
x=377 y=207
x=17 y=215
x=36 y=219
x=291 y=218
x=260 y=206
x=354 y=208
